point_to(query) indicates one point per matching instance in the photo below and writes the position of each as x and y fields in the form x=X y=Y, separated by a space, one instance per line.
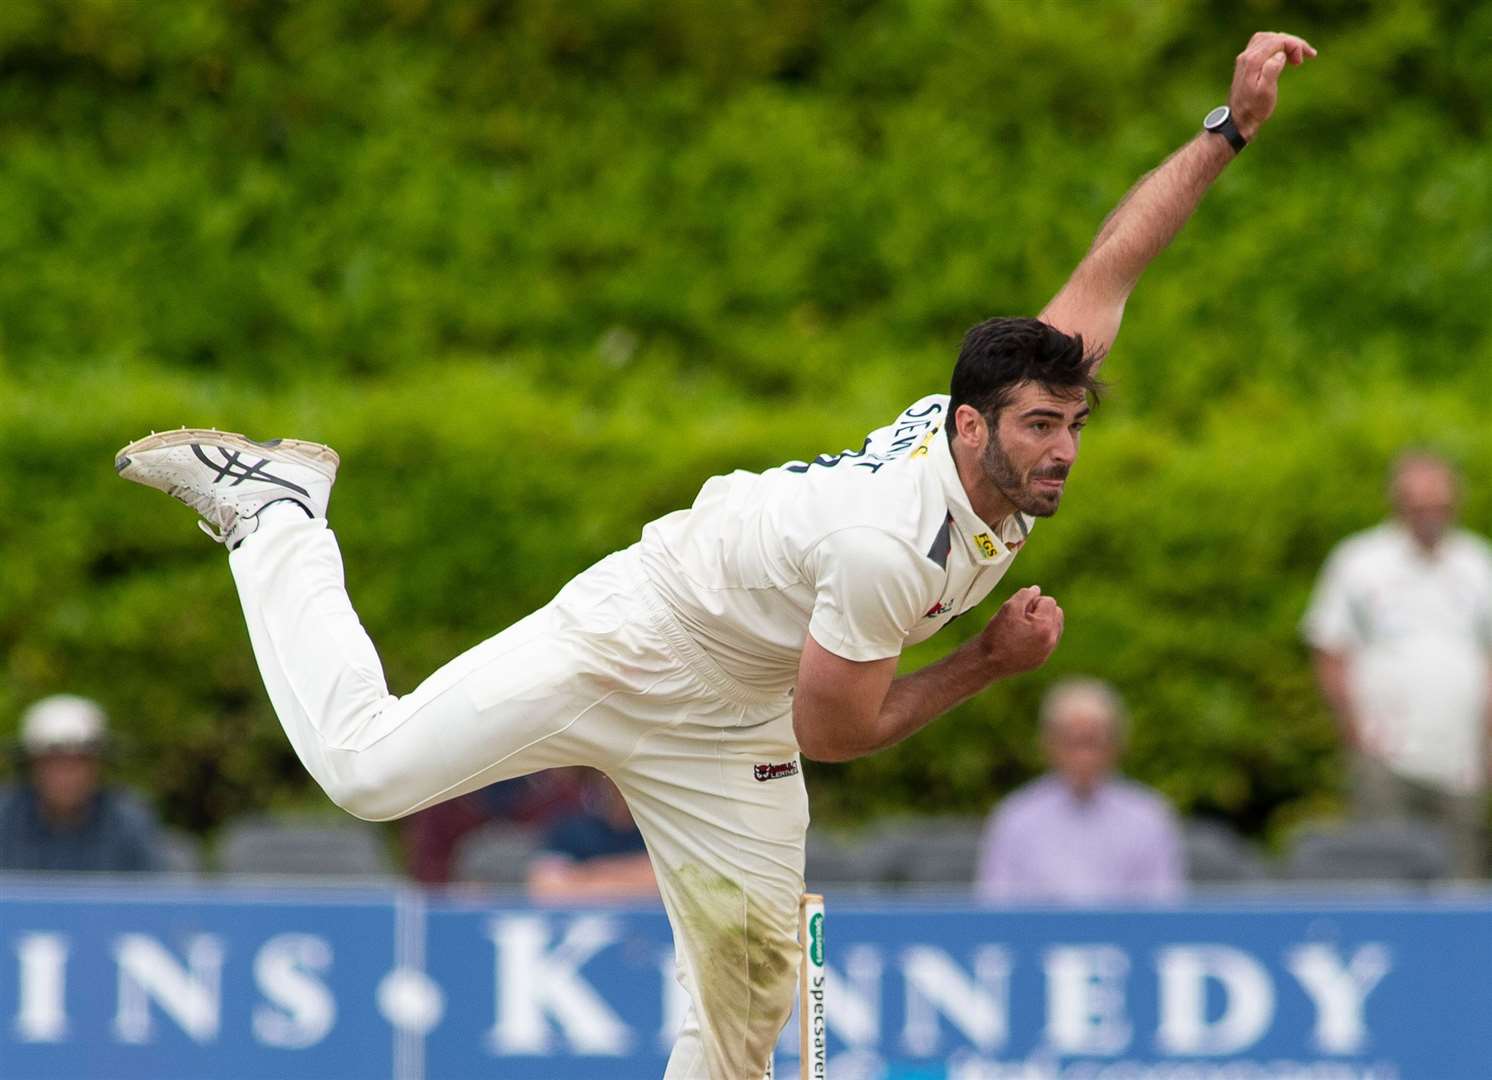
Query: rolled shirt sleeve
x=1328 y=623
x=872 y=588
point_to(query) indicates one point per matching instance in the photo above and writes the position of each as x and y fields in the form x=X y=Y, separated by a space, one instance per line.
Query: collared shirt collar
x=1068 y=796
x=988 y=543
x=1410 y=546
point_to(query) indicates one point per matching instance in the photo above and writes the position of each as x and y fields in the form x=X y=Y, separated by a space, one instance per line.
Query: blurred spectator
x=596 y=854
x=1080 y=834
x=1401 y=625
x=432 y=836
x=60 y=816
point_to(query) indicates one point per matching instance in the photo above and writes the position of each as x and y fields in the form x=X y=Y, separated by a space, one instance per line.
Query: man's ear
x=969 y=425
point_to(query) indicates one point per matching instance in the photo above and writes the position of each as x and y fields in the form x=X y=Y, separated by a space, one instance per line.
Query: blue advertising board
x=126 y=981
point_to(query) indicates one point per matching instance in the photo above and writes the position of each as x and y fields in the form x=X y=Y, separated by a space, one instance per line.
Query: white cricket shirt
x=867 y=550
x=1416 y=630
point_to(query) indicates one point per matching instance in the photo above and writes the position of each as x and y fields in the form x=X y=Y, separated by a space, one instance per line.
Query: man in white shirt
x=767 y=619
x=1401 y=626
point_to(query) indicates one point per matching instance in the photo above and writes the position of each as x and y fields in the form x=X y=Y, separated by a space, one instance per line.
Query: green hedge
x=536 y=273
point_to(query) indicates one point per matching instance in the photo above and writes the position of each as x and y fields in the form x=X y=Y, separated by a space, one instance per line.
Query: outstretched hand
x=1256 y=77
x=1023 y=632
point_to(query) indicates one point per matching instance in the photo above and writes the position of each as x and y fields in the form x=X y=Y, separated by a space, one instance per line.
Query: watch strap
x=1229 y=130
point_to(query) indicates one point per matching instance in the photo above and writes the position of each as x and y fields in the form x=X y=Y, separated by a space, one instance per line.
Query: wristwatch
x=1220 y=122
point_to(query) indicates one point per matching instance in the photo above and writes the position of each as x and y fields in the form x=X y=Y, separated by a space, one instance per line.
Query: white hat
x=63 y=722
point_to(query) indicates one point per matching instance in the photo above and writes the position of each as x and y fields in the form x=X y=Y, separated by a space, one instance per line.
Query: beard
x=1018 y=489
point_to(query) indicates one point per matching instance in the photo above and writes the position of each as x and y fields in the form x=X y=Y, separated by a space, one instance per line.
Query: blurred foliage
x=537 y=269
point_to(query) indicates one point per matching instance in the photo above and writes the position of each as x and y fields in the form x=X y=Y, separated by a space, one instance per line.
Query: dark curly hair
x=1000 y=354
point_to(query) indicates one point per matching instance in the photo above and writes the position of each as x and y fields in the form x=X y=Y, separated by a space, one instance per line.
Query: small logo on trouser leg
x=775 y=772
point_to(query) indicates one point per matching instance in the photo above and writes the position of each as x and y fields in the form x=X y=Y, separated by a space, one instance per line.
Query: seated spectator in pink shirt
x=1081 y=834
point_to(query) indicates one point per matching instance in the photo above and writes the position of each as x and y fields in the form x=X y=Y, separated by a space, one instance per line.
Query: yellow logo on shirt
x=921 y=450
x=985 y=544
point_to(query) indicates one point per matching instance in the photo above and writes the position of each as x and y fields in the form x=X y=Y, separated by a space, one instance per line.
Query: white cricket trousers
x=602 y=676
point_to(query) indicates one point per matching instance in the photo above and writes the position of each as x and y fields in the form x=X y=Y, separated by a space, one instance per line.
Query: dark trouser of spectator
x=1378 y=792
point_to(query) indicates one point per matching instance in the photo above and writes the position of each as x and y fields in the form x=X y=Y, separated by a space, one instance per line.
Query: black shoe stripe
x=232 y=466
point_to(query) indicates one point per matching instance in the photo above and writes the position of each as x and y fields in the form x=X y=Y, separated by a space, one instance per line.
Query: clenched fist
x=1022 y=633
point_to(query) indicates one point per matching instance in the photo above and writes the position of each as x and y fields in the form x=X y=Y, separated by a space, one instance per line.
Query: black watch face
x=1216 y=118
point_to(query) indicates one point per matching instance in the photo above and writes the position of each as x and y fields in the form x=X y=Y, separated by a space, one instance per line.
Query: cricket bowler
x=764 y=621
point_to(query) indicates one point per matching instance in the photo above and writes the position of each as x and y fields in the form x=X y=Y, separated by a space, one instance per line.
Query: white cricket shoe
x=228 y=478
